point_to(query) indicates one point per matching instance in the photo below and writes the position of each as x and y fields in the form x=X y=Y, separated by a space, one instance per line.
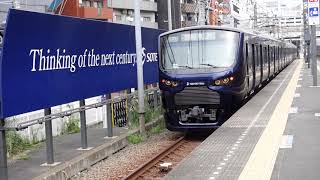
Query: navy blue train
x=206 y=72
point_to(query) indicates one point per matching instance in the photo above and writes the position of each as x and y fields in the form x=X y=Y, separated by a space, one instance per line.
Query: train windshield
x=198 y=49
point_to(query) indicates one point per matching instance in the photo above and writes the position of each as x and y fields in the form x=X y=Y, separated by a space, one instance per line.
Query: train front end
x=200 y=77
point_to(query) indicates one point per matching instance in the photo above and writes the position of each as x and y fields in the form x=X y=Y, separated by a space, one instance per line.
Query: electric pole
x=313 y=20
x=255 y=18
x=169 y=16
x=313 y=54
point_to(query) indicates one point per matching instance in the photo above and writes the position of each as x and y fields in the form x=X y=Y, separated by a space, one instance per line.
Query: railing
x=118 y=114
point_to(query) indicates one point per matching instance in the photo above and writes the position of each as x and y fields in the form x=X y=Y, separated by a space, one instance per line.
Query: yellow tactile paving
x=261 y=162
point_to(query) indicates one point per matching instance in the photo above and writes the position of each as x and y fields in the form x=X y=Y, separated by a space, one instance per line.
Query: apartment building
x=30 y=5
x=123 y=12
x=91 y=9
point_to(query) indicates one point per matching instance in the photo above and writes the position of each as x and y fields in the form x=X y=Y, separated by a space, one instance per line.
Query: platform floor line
x=263 y=157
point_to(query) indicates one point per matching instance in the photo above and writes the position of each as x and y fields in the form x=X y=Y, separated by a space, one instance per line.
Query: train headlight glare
x=168 y=83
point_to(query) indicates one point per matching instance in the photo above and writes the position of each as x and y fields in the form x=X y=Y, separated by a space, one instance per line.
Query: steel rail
x=143 y=168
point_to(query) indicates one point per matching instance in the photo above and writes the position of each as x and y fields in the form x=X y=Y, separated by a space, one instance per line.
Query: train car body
x=205 y=71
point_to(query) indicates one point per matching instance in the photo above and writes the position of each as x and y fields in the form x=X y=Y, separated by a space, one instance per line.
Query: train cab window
x=193 y=50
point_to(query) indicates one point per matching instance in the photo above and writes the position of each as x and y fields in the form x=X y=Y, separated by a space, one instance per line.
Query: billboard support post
x=3 y=152
x=139 y=65
x=49 y=138
x=109 y=117
x=83 y=127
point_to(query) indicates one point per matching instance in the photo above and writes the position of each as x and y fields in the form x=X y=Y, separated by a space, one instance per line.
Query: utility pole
x=313 y=54
x=169 y=16
x=306 y=34
x=313 y=20
x=13 y=4
x=202 y=5
x=255 y=16
x=141 y=112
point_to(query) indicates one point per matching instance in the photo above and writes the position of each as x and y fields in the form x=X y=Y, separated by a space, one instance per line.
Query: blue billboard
x=49 y=60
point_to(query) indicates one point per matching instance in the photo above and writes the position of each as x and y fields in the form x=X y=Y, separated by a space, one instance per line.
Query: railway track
x=173 y=155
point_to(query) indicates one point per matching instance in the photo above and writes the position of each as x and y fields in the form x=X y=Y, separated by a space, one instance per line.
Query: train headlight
x=170 y=83
x=175 y=84
x=224 y=81
x=217 y=82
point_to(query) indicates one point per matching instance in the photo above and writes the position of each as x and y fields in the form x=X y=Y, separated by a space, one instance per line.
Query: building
x=163 y=14
x=123 y=12
x=97 y=9
x=189 y=13
x=286 y=17
x=30 y=5
x=184 y=13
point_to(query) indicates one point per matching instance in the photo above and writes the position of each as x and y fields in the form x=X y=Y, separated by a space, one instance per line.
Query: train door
x=250 y=66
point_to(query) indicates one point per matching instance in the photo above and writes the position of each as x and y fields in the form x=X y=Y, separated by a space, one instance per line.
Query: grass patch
x=71 y=126
x=23 y=157
x=16 y=143
x=135 y=138
x=158 y=129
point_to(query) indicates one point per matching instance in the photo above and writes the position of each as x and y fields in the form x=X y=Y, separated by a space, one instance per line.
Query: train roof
x=222 y=28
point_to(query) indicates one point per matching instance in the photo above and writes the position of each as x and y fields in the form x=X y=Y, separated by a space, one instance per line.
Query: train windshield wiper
x=211 y=65
x=186 y=67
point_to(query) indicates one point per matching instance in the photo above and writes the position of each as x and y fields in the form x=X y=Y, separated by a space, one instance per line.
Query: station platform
x=65 y=150
x=273 y=136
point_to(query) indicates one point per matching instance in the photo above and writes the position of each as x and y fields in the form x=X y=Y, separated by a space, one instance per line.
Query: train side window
x=265 y=53
x=261 y=56
x=274 y=54
x=250 y=55
x=247 y=53
x=253 y=54
x=257 y=56
x=268 y=55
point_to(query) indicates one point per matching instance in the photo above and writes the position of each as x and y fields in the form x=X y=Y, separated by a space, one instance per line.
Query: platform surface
x=302 y=160
x=246 y=146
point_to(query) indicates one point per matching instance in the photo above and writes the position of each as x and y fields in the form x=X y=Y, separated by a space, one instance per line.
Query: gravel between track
x=123 y=162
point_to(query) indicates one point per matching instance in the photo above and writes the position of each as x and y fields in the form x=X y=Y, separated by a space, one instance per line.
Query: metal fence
x=118 y=115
